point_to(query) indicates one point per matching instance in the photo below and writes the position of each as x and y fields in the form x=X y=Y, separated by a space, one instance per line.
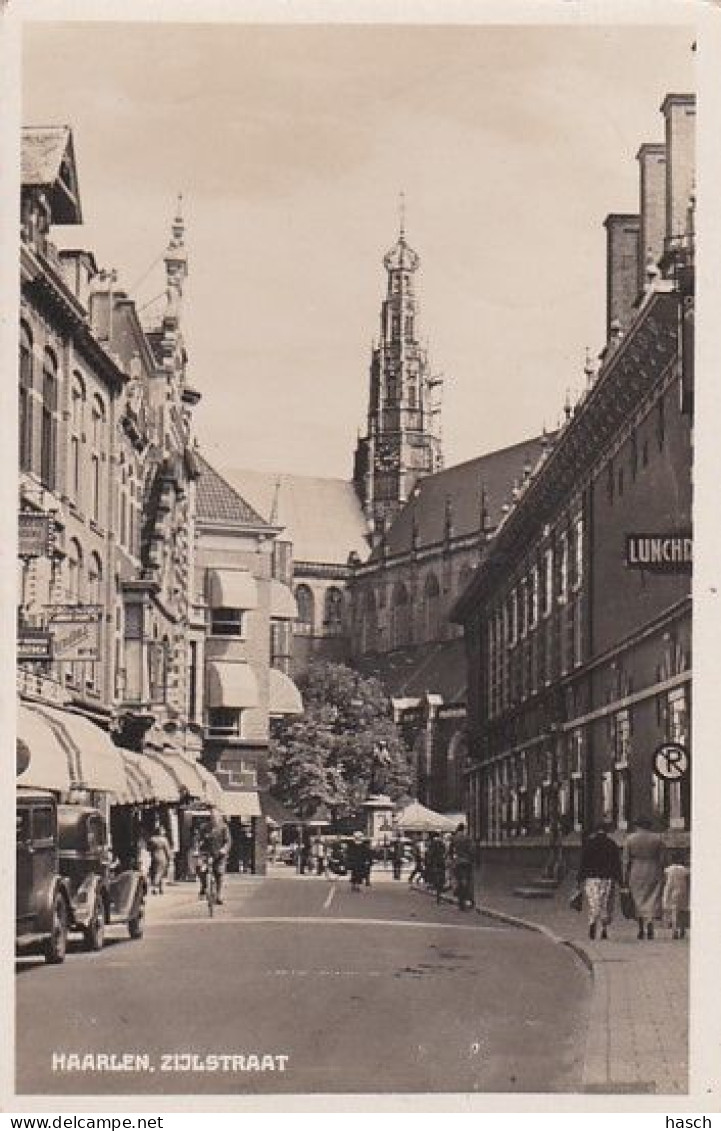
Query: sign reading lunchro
x=668 y=553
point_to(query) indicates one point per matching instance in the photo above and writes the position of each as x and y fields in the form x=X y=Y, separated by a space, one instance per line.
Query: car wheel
x=95 y=930
x=57 y=944
x=136 y=925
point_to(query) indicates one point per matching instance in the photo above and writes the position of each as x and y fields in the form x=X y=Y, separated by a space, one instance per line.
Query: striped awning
x=68 y=751
x=151 y=776
x=190 y=775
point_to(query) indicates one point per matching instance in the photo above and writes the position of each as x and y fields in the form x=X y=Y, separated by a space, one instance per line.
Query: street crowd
x=443 y=862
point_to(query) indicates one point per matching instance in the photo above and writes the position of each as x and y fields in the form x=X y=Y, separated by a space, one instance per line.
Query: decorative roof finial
x=402 y=213
x=589 y=368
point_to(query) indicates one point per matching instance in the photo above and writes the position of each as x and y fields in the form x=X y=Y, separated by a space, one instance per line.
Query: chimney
x=652 y=206
x=679 y=111
x=622 y=240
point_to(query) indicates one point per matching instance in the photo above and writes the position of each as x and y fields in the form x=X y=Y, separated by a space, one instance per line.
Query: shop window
x=226 y=622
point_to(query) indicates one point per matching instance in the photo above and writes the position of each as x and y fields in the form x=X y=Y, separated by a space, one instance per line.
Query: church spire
x=402 y=443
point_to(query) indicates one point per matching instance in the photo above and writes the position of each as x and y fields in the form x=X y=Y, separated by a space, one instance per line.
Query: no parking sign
x=671 y=761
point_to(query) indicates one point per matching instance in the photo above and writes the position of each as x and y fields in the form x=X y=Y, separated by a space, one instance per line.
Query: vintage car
x=43 y=905
x=98 y=894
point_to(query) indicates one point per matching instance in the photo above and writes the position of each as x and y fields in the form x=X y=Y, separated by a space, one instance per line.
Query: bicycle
x=211 y=884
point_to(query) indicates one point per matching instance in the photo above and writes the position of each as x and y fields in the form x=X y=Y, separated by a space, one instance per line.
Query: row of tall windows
x=525 y=793
x=536 y=631
x=84 y=433
x=332 y=611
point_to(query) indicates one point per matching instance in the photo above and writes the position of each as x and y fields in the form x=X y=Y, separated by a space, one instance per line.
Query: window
x=400 y=617
x=224 y=722
x=578 y=546
x=95 y=577
x=43 y=823
x=661 y=423
x=25 y=438
x=431 y=608
x=563 y=557
x=304 y=601
x=98 y=440
x=283 y=561
x=226 y=622
x=533 y=598
x=77 y=403
x=49 y=423
x=547 y=581
x=74 y=571
x=280 y=645
x=333 y=619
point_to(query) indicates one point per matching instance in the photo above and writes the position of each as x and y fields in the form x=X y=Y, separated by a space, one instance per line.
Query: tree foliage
x=326 y=756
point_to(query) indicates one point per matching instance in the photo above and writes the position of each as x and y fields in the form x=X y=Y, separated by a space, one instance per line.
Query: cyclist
x=214 y=848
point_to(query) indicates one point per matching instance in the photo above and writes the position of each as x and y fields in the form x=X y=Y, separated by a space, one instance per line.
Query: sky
x=291 y=144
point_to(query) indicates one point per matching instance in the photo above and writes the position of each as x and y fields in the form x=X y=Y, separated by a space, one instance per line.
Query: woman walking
x=643 y=861
x=599 y=873
x=675 y=894
x=160 y=854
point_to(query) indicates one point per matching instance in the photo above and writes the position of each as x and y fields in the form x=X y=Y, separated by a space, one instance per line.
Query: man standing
x=462 y=856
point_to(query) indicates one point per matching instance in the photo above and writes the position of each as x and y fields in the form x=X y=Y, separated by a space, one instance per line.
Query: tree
x=326 y=756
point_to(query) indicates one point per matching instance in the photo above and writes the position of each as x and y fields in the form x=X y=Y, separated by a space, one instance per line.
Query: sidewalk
x=638 y=1027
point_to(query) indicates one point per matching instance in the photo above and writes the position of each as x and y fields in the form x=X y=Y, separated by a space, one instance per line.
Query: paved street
x=375 y=991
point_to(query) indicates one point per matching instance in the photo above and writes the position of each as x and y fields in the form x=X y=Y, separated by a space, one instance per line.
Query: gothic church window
x=305 y=603
x=333 y=619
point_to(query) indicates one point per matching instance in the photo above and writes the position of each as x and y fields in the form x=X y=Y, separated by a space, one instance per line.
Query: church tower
x=403 y=439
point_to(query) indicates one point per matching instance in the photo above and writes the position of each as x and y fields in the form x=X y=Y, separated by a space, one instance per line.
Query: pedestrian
x=436 y=865
x=675 y=898
x=643 y=863
x=305 y=851
x=160 y=855
x=319 y=855
x=599 y=873
x=462 y=855
x=215 y=846
x=356 y=861
x=397 y=857
x=418 y=862
x=367 y=861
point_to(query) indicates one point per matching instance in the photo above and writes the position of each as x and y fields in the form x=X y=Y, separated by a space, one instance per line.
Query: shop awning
x=48 y=766
x=158 y=782
x=69 y=744
x=240 y=803
x=282 y=602
x=232 y=589
x=187 y=774
x=231 y=685
x=285 y=698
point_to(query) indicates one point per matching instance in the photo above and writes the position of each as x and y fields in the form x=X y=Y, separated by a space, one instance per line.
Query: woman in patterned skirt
x=599 y=874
